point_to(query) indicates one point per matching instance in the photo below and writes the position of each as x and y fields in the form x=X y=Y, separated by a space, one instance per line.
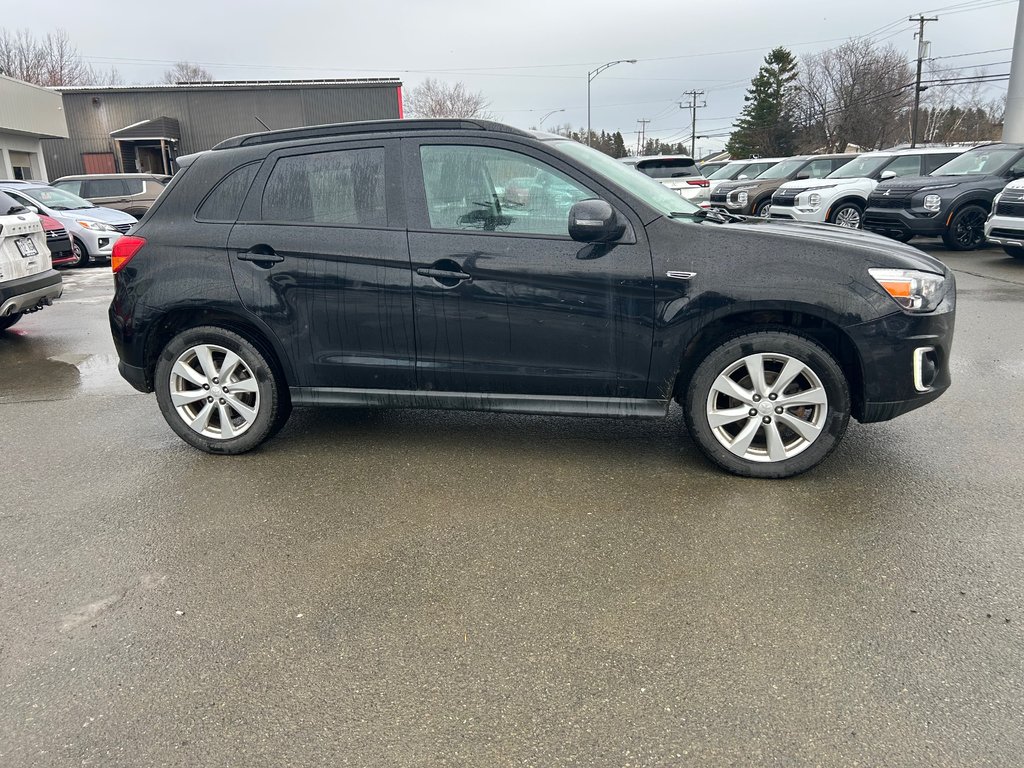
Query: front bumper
x=795 y=214
x=98 y=244
x=896 y=222
x=60 y=251
x=27 y=294
x=904 y=359
x=1005 y=230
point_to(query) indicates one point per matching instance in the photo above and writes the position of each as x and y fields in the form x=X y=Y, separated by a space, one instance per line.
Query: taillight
x=123 y=250
x=698 y=182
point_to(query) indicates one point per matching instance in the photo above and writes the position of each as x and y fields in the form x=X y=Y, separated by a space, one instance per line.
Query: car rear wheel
x=768 y=404
x=966 y=230
x=1014 y=250
x=848 y=215
x=218 y=392
x=81 y=254
x=7 y=322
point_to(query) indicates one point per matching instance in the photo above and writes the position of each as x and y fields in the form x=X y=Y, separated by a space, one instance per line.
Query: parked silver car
x=93 y=230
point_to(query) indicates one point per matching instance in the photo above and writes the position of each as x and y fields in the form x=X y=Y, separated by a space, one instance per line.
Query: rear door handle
x=443 y=274
x=261 y=254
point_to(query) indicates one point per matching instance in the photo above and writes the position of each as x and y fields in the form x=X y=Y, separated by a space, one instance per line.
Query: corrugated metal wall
x=209 y=115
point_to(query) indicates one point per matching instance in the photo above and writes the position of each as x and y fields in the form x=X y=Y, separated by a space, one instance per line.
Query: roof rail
x=368 y=126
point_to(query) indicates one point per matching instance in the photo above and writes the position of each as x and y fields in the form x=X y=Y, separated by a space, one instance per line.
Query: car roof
x=640 y=158
x=87 y=176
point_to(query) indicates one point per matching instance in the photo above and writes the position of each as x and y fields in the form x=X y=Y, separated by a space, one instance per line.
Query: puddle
x=59 y=377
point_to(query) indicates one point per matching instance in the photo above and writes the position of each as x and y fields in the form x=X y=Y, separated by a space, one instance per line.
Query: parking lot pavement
x=430 y=588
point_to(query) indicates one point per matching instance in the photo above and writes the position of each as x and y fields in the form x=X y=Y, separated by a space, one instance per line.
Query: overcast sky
x=529 y=56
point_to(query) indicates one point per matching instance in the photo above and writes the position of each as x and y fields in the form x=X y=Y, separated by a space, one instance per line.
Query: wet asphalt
x=421 y=588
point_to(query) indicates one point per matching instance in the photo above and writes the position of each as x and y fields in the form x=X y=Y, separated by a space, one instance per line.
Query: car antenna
x=262 y=123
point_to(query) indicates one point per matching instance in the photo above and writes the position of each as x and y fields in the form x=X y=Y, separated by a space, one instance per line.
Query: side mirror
x=742 y=177
x=887 y=175
x=594 y=221
x=32 y=209
x=802 y=176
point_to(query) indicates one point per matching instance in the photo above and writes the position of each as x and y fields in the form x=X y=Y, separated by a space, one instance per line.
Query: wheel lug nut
x=773 y=396
x=767 y=419
x=216 y=380
x=753 y=411
x=222 y=401
x=757 y=398
x=209 y=399
x=778 y=409
x=206 y=386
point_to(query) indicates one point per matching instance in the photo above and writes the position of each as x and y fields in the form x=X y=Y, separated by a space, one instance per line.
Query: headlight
x=913 y=290
x=97 y=226
x=742 y=197
x=932 y=203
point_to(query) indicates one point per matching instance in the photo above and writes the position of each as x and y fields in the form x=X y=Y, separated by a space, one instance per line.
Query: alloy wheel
x=848 y=217
x=214 y=391
x=969 y=230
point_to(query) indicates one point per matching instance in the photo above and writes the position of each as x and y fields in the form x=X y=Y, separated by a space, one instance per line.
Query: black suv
x=407 y=264
x=952 y=202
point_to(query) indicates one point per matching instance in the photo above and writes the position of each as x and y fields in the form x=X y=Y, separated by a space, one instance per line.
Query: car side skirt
x=473 y=401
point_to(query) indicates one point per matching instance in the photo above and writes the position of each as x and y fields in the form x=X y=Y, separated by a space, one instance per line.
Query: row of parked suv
x=958 y=194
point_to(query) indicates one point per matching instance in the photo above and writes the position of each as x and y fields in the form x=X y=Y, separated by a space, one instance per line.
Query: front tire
x=218 y=392
x=7 y=322
x=848 y=216
x=81 y=254
x=966 y=230
x=768 y=404
x=763 y=209
x=1015 y=251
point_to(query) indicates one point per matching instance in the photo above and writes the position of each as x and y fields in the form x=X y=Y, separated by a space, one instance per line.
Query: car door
x=108 y=193
x=320 y=255
x=505 y=301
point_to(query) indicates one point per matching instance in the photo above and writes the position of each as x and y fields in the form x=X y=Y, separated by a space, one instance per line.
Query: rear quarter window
x=225 y=201
x=134 y=186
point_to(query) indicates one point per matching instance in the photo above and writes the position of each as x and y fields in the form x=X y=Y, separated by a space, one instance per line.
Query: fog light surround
x=926 y=367
x=932 y=203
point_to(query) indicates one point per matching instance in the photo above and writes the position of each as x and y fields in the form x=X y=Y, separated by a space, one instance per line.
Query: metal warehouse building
x=141 y=129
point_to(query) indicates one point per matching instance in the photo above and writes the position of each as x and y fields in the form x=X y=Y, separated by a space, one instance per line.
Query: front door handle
x=260 y=254
x=444 y=274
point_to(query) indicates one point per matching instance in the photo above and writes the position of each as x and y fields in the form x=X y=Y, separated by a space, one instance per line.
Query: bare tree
x=48 y=61
x=956 y=109
x=854 y=94
x=187 y=72
x=433 y=98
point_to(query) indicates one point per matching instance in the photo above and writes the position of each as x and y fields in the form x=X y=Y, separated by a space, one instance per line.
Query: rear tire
x=7 y=322
x=768 y=404
x=1015 y=251
x=218 y=392
x=81 y=254
x=966 y=230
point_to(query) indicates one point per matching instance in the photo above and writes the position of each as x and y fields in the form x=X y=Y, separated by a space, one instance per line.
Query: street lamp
x=540 y=125
x=590 y=78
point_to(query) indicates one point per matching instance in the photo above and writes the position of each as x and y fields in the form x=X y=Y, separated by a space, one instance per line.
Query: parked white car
x=677 y=172
x=93 y=230
x=741 y=170
x=1005 y=225
x=841 y=197
x=28 y=281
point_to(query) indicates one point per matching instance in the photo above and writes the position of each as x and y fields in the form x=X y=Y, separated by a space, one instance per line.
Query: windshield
x=57 y=199
x=730 y=171
x=784 y=169
x=987 y=161
x=656 y=195
x=861 y=168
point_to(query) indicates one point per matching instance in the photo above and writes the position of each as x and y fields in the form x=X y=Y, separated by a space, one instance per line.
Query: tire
x=81 y=254
x=191 y=364
x=763 y=208
x=966 y=230
x=7 y=322
x=1014 y=250
x=821 y=421
x=847 y=215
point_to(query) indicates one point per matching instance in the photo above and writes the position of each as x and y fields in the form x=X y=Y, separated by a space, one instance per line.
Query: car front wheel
x=966 y=230
x=81 y=254
x=768 y=404
x=218 y=392
x=848 y=215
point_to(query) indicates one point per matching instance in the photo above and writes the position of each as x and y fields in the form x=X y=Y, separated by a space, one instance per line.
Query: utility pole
x=922 y=53
x=693 y=106
x=1013 y=123
x=641 y=136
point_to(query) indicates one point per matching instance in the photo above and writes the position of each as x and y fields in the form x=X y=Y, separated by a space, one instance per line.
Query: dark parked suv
x=398 y=263
x=952 y=202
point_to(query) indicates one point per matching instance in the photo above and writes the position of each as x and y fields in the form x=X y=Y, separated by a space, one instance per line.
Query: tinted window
x=496 y=190
x=341 y=187
x=8 y=203
x=668 y=168
x=931 y=162
x=907 y=165
x=224 y=203
x=74 y=187
x=990 y=161
x=104 y=188
x=134 y=186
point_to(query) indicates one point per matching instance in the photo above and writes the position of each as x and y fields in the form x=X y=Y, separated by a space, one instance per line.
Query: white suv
x=28 y=280
x=840 y=197
x=677 y=172
x=1005 y=225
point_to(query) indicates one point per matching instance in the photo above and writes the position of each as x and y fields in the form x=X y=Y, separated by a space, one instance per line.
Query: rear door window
x=103 y=188
x=906 y=165
x=339 y=187
x=668 y=167
x=134 y=186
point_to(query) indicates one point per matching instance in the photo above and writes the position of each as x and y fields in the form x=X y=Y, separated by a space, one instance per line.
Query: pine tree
x=766 y=126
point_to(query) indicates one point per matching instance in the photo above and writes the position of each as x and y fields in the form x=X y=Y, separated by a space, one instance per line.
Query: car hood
x=818 y=183
x=913 y=183
x=106 y=215
x=885 y=252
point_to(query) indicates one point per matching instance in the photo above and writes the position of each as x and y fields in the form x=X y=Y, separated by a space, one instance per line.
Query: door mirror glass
x=594 y=221
x=32 y=209
x=888 y=175
x=742 y=177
